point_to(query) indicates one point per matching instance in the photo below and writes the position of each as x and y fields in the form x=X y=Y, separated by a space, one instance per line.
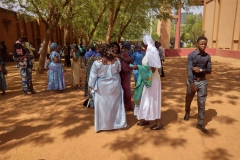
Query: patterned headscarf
x=53 y=46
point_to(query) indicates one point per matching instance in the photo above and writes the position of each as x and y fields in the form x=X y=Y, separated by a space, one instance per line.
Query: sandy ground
x=49 y=126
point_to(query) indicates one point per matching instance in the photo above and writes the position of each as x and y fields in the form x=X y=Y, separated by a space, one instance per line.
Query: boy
x=198 y=65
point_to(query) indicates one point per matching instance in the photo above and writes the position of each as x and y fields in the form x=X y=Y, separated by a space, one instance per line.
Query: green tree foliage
x=192 y=28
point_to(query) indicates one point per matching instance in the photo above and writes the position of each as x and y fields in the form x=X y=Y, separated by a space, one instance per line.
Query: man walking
x=198 y=65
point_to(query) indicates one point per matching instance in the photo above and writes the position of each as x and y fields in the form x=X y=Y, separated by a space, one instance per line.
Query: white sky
x=195 y=10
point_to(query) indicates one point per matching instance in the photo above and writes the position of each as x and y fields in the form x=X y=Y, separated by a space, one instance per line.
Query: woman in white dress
x=150 y=104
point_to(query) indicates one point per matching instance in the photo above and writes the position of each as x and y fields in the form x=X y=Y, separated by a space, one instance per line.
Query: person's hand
x=193 y=87
x=196 y=69
x=135 y=67
x=121 y=57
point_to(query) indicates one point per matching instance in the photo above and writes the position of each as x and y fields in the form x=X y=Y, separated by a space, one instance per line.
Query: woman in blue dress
x=105 y=82
x=56 y=80
x=137 y=59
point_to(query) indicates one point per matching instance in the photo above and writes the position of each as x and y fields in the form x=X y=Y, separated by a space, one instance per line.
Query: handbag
x=89 y=103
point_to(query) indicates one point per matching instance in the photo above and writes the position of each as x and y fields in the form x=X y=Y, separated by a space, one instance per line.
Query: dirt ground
x=49 y=126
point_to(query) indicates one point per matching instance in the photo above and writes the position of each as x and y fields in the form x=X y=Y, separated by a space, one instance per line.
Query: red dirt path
x=49 y=126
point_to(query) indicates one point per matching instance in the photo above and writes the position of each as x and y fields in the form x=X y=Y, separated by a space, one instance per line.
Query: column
x=178 y=26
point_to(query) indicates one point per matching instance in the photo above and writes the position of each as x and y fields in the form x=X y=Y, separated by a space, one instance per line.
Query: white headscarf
x=152 y=55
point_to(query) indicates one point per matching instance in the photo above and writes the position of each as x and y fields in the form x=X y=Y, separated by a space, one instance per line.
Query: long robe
x=108 y=96
x=56 y=79
x=75 y=70
x=150 y=104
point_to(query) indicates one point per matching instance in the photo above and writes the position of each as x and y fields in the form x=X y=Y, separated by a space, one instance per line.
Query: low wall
x=210 y=51
x=228 y=53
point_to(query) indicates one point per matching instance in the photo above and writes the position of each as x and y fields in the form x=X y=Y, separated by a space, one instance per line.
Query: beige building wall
x=163 y=30
x=226 y=23
x=221 y=23
x=209 y=21
x=236 y=35
x=215 y=24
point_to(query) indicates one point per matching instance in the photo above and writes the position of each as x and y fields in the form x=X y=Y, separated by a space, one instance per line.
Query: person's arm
x=55 y=58
x=190 y=72
x=208 y=70
x=190 y=68
x=153 y=69
x=93 y=75
x=125 y=58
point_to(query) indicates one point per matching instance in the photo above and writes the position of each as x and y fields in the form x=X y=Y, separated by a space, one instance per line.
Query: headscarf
x=152 y=56
x=127 y=45
x=138 y=45
x=53 y=46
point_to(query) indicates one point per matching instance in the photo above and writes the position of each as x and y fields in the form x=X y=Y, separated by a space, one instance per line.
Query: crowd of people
x=109 y=69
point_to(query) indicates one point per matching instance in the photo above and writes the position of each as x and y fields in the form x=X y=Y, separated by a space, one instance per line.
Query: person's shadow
x=209 y=114
x=169 y=116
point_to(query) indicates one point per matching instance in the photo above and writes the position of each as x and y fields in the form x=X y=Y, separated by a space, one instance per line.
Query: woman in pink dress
x=125 y=60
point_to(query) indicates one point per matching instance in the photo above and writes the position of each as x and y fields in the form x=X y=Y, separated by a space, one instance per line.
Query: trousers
x=201 y=89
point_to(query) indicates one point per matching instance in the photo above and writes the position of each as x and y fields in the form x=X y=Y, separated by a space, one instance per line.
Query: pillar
x=178 y=26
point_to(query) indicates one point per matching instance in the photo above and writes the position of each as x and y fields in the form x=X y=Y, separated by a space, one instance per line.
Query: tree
x=192 y=28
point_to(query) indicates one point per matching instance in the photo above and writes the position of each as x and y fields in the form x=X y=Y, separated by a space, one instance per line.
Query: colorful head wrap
x=53 y=46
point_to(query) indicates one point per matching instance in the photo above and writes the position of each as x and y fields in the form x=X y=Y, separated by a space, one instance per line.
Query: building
x=221 y=24
x=12 y=27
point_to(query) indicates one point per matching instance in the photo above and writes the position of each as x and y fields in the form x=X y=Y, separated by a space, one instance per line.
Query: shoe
x=144 y=123
x=156 y=128
x=186 y=117
x=202 y=128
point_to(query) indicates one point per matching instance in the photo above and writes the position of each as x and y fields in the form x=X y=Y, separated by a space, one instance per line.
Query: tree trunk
x=66 y=34
x=112 y=19
x=43 y=53
x=110 y=26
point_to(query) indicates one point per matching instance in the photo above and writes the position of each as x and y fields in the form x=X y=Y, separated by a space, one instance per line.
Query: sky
x=195 y=10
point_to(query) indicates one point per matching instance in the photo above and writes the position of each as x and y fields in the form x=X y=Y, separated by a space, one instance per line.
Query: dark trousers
x=67 y=60
x=201 y=89
x=162 y=71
